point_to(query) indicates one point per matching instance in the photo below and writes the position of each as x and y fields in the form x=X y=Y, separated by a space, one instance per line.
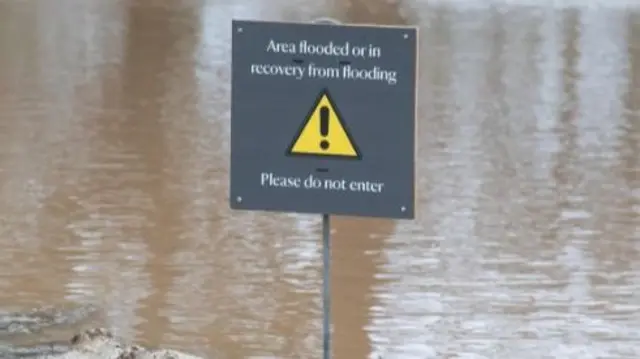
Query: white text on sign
x=311 y=182
x=345 y=71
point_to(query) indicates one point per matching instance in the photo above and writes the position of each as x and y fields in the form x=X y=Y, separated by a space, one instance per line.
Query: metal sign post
x=326 y=261
x=326 y=286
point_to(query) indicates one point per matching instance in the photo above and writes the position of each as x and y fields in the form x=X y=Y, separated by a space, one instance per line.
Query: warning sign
x=324 y=132
x=331 y=130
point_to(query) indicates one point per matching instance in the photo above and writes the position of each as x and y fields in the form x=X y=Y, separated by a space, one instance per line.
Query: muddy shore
x=27 y=335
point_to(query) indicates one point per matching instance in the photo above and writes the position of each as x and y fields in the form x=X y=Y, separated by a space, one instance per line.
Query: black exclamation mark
x=324 y=126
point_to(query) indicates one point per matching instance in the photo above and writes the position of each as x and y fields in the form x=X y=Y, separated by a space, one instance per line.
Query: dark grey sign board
x=323 y=118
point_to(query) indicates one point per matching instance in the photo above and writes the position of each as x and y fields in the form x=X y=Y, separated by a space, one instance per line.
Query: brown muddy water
x=114 y=119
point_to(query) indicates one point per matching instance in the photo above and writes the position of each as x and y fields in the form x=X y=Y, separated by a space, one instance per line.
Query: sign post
x=323 y=121
x=326 y=241
x=326 y=286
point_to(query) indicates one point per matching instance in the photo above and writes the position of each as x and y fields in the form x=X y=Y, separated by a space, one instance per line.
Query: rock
x=100 y=343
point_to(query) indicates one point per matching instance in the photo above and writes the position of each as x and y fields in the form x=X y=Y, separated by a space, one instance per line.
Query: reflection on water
x=113 y=185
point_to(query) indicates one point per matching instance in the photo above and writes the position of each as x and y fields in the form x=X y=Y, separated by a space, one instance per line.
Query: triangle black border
x=323 y=92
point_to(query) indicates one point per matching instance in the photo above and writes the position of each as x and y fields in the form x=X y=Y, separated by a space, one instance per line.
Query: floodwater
x=114 y=119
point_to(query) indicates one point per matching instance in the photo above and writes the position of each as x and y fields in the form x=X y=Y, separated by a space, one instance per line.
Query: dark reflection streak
x=358 y=244
x=5 y=21
x=21 y=30
x=537 y=37
x=151 y=43
x=496 y=65
x=439 y=70
x=354 y=240
x=568 y=143
x=494 y=123
x=631 y=135
x=434 y=90
x=497 y=97
x=627 y=164
x=533 y=77
x=375 y=12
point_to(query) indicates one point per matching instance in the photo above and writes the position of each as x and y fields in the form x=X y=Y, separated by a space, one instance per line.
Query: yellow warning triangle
x=324 y=133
